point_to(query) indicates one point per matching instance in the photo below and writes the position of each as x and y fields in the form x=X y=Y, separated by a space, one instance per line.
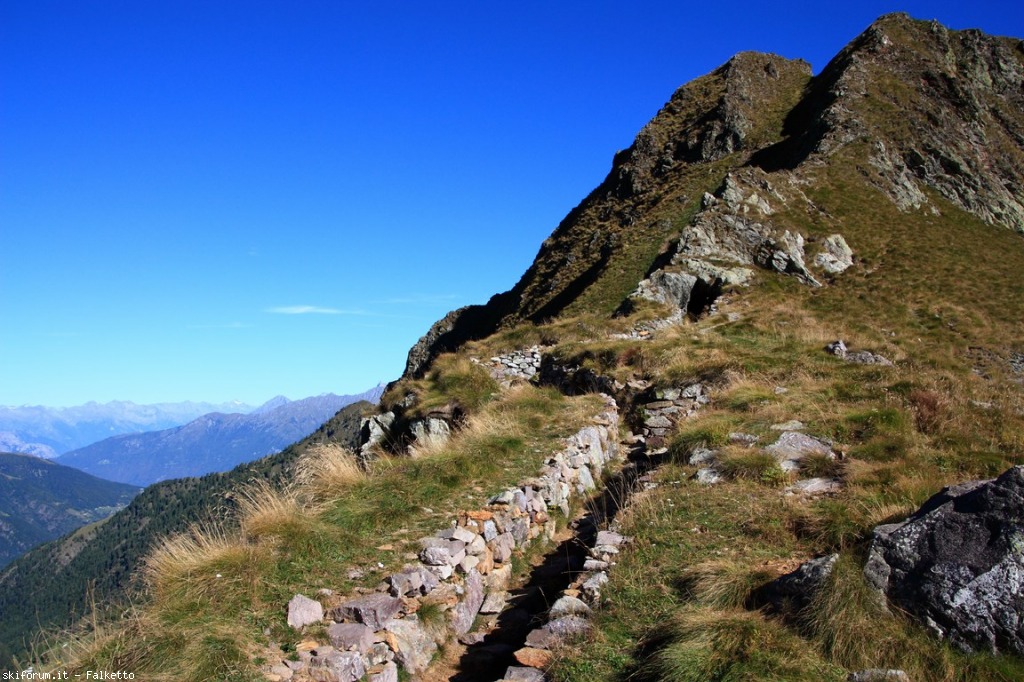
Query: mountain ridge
x=212 y=442
x=58 y=430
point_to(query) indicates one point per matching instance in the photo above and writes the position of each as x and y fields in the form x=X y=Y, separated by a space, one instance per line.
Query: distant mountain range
x=41 y=500
x=51 y=431
x=213 y=442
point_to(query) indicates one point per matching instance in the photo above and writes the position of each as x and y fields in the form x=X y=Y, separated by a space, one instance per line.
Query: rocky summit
x=755 y=411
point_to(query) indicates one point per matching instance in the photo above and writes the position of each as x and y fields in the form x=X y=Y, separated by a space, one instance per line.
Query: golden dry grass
x=327 y=471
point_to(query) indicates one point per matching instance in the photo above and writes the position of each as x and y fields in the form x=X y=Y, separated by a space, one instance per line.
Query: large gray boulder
x=957 y=564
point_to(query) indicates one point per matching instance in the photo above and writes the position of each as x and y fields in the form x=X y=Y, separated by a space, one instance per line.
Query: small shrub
x=929 y=410
x=882 y=448
x=456 y=380
x=834 y=524
x=707 y=433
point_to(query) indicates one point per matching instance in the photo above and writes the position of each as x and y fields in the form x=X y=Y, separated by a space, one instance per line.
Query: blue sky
x=227 y=200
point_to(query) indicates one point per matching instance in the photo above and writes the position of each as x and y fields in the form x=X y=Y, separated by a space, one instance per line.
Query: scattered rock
x=878 y=675
x=557 y=631
x=462 y=615
x=568 y=606
x=795 y=590
x=430 y=431
x=746 y=439
x=413 y=646
x=836 y=255
x=524 y=674
x=351 y=637
x=494 y=602
x=815 y=486
x=791 y=425
x=702 y=456
x=534 y=658
x=793 y=446
x=860 y=357
x=411 y=582
x=708 y=476
x=387 y=672
x=303 y=611
x=345 y=666
x=282 y=672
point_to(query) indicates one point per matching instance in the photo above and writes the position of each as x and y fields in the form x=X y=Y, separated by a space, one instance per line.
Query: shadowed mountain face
x=213 y=442
x=927 y=116
x=41 y=500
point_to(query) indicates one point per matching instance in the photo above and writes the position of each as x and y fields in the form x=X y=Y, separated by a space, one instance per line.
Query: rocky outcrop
x=375 y=430
x=835 y=256
x=792 y=447
x=957 y=564
x=942 y=109
x=731 y=236
x=453 y=330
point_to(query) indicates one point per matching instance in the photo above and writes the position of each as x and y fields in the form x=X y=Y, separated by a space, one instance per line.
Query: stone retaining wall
x=660 y=409
x=463 y=570
x=520 y=365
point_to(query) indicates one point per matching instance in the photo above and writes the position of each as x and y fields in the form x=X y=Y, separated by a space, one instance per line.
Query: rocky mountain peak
x=939 y=109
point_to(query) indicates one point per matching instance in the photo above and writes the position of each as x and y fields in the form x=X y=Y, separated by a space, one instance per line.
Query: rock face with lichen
x=958 y=563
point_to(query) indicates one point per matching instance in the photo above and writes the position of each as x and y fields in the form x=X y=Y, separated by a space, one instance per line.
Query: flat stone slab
x=524 y=674
x=794 y=446
x=351 y=636
x=373 y=610
x=815 y=486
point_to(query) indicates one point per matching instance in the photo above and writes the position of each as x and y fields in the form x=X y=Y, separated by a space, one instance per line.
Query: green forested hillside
x=93 y=566
x=41 y=500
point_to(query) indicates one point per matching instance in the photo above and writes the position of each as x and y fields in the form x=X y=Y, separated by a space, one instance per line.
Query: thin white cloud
x=312 y=310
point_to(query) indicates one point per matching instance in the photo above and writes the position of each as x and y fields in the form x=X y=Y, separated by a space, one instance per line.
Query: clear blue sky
x=230 y=200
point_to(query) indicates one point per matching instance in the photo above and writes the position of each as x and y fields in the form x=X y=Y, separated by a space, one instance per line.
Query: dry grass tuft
x=723 y=584
x=328 y=471
x=264 y=511
x=729 y=644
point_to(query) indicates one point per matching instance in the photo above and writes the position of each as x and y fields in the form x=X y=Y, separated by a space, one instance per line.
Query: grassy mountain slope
x=908 y=145
x=65 y=579
x=41 y=500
